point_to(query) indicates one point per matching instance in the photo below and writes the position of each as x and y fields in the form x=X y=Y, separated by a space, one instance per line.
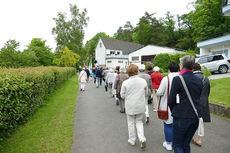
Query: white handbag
x=200 y=129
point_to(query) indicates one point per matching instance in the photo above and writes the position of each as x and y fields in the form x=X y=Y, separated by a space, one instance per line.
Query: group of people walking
x=133 y=89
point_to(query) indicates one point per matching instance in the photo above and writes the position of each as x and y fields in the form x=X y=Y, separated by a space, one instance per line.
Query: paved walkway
x=100 y=128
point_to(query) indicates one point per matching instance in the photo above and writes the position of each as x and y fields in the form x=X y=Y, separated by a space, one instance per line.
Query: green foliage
x=23 y=90
x=9 y=55
x=208 y=21
x=66 y=57
x=43 y=53
x=124 y=33
x=50 y=129
x=205 y=71
x=70 y=33
x=162 y=61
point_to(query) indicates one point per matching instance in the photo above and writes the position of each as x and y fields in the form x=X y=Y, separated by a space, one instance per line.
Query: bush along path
x=50 y=129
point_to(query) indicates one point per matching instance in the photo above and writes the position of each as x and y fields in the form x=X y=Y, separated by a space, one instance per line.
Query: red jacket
x=156 y=78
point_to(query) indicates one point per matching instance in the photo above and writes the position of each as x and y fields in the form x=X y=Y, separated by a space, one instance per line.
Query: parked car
x=215 y=63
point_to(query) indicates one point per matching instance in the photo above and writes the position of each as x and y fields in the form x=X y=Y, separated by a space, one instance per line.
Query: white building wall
x=149 y=50
x=213 y=49
x=112 y=63
x=100 y=53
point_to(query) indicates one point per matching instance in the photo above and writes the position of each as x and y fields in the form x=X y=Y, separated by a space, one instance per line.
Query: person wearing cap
x=82 y=79
x=156 y=78
x=109 y=80
x=148 y=80
x=122 y=76
x=134 y=91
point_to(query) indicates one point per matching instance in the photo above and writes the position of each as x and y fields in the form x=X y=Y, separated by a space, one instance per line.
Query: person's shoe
x=143 y=144
x=167 y=146
x=147 y=120
x=131 y=143
x=80 y=89
x=122 y=111
x=154 y=109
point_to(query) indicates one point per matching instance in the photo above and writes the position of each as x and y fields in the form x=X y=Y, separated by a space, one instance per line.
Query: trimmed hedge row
x=24 y=90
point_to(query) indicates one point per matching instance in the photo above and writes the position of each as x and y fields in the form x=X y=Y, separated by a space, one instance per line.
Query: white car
x=215 y=63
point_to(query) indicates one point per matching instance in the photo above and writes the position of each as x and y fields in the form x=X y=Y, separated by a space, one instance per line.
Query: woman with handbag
x=186 y=112
x=163 y=93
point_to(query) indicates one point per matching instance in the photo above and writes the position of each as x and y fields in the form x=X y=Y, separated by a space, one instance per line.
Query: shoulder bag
x=163 y=114
x=200 y=130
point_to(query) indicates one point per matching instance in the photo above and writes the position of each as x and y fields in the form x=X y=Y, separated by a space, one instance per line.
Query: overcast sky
x=23 y=20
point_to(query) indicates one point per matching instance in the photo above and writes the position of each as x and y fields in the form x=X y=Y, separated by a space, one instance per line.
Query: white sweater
x=162 y=92
x=134 y=91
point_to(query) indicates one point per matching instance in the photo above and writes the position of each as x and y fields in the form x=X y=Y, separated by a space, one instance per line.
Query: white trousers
x=147 y=107
x=83 y=85
x=135 y=125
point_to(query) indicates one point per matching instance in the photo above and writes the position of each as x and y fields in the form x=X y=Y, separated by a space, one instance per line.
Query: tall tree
x=149 y=31
x=124 y=33
x=10 y=55
x=41 y=50
x=70 y=33
x=208 y=21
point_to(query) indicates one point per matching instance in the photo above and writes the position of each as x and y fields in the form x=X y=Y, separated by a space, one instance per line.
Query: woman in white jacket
x=82 y=79
x=134 y=91
x=163 y=92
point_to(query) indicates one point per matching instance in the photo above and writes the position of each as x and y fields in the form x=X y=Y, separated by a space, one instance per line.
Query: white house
x=219 y=45
x=112 y=53
x=147 y=53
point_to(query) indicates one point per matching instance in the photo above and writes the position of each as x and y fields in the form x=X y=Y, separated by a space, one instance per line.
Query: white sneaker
x=131 y=142
x=167 y=146
x=143 y=144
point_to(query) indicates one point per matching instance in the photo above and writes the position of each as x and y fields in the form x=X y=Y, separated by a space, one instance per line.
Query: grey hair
x=187 y=62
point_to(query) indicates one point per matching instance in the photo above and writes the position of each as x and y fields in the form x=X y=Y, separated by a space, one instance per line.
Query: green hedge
x=24 y=90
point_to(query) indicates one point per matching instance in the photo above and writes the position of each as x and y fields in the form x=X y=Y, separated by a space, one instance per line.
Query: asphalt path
x=100 y=128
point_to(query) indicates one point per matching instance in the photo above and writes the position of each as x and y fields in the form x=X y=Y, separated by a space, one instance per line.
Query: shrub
x=205 y=71
x=24 y=90
x=162 y=61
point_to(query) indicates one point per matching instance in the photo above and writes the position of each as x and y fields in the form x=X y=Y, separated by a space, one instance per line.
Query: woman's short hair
x=132 y=70
x=156 y=68
x=173 y=67
x=149 y=68
x=117 y=68
x=196 y=67
x=187 y=62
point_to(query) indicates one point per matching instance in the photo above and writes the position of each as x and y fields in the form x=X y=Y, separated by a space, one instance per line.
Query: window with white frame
x=120 y=61
x=135 y=58
x=225 y=52
x=112 y=52
x=100 y=44
x=109 y=61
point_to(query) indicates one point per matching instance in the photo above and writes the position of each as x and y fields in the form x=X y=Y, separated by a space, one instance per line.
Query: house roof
x=214 y=42
x=126 y=47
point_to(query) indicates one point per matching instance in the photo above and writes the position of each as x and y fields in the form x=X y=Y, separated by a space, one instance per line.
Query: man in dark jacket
x=98 y=76
x=185 y=121
x=87 y=72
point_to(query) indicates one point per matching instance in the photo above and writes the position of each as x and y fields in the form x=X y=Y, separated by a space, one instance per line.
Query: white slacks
x=83 y=85
x=135 y=125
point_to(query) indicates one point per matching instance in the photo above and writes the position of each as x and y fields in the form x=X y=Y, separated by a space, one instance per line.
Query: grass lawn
x=51 y=127
x=220 y=91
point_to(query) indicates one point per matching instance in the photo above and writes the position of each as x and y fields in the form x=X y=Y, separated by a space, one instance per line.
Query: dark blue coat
x=98 y=73
x=184 y=108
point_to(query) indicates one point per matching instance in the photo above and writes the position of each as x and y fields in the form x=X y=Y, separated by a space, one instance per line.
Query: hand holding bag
x=163 y=114
x=200 y=129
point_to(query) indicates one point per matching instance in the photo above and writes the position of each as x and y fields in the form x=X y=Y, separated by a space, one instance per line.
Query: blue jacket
x=98 y=73
x=184 y=109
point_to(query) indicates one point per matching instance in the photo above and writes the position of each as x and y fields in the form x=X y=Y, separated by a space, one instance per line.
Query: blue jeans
x=183 y=131
x=168 y=131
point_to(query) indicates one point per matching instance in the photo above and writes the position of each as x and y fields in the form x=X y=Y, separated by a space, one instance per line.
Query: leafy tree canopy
x=43 y=53
x=66 y=57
